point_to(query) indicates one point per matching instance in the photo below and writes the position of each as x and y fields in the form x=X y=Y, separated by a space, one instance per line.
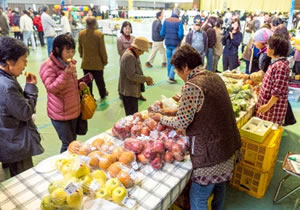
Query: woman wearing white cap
x=132 y=79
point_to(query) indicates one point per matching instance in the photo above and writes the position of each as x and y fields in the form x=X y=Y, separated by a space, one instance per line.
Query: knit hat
x=141 y=43
x=262 y=35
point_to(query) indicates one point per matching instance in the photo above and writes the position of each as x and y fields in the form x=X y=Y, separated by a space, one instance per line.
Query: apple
x=137 y=115
x=60 y=163
x=83 y=170
x=112 y=184
x=141 y=157
x=74 y=200
x=54 y=185
x=156 y=117
x=168 y=157
x=67 y=168
x=179 y=156
x=133 y=145
x=136 y=130
x=168 y=144
x=46 y=203
x=86 y=182
x=159 y=147
x=58 y=196
x=148 y=153
x=103 y=193
x=100 y=175
x=176 y=148
x=183 y=144
x=156 y=163
x=119 y=194
x=150 y=123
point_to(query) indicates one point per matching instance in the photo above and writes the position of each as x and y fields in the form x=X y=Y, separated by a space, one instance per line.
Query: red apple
x=150 y=123
x=160 y=127
x=178 y=156
x=136 y=130
x=176 y=148
x=168 y=144
x=168 y=157
x=148 y=153
x=156 y=117
x=137 y=115
x=156 y=163
x=133 y=145
x=159 y=146
x=183 y=144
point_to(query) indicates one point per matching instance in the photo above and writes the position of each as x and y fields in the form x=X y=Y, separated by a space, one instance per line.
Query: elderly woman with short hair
x=19 y=137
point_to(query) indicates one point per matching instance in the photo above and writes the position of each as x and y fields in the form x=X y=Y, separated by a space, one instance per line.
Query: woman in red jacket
x=38 y=24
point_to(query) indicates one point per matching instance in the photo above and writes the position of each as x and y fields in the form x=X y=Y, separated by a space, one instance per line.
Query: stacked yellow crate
x=254 y=173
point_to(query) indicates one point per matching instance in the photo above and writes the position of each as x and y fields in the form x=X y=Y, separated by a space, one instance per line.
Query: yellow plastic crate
x=245 y=118
x=261 y=156
x=252 y=181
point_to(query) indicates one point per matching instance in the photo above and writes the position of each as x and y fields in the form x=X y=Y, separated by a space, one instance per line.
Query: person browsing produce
x=205 y=112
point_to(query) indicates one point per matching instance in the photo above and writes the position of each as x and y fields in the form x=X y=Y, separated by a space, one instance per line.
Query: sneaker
x=142 y=98
x=148 y=65
x=172 y=81
x=164 y=65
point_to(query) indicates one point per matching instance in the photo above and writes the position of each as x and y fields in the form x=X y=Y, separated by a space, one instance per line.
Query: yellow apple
x=83 y=170
x=98 y=174
x=119 y=194
x=54 y=185
x=67 y=168
x=60 y=163
x=103 y=193
x=74 y=200
x=46 y=203
x=86 y=181
x=58 y=196
x=112 y=184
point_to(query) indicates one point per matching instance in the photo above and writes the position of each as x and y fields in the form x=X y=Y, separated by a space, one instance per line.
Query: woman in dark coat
x=19 y=138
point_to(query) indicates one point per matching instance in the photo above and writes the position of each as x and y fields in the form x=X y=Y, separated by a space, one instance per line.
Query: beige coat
x=92 y=49
x=248 y=50
x=131 y=75
x=218 y=48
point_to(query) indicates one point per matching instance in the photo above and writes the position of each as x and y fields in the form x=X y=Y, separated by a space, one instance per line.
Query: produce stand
x=152 y=189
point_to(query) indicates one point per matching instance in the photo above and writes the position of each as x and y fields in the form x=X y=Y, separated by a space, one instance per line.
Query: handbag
x=15 y=29
x=88 y=104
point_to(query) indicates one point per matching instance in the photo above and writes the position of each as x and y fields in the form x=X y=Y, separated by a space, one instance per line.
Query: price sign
x=134 y=165
x=71 y=188
x=132 y=174
x=85 y=160
x=129 y=203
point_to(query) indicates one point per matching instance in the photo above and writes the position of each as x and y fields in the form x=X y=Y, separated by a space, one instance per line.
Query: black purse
x=82 y=126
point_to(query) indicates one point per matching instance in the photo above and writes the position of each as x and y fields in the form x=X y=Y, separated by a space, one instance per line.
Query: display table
x=154 y=190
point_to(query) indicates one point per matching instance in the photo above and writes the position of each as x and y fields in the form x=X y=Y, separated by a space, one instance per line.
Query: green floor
x=110 y=110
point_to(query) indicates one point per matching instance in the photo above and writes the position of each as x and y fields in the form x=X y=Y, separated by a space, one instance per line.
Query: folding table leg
x=276 y=200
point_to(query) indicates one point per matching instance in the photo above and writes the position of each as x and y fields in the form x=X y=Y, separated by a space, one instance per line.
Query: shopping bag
x=15 y=29
x=88 y=104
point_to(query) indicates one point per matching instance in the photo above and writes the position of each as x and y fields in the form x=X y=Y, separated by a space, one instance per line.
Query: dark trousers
x=130 y=104
x=41 y=38
x=230 y=62
x=99 y=79
x=20 y=166
x=18 y=35
x=289 y=117
x=66 y=131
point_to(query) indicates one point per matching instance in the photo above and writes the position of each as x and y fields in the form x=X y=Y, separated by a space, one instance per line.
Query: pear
x=58 y=196
x=83 y=170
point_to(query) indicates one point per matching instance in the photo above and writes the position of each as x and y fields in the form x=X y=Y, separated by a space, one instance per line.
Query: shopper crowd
x=192 y=51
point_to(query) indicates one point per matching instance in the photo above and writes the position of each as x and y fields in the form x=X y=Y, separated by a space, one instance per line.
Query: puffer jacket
x=172 y=31
x=62 y=89
x=19 y=137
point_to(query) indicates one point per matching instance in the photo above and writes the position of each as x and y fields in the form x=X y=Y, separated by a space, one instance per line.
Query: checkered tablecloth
x=154 y=190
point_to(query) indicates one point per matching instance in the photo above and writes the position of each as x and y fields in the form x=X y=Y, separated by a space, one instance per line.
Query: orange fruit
x=104 y=163
x=125 y=178
x=117 y=152
x=94 y=156
x=84 y=150
x=97 y=143
x=114 y=169
x=126 y=157
x=74 y=147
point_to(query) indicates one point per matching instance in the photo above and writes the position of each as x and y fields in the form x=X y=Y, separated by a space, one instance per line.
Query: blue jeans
x=247 y=67
x=170 y=50
x=29 y=35
x=66 y=131
x=210 y=59
x=50 y=44
x=199 y=195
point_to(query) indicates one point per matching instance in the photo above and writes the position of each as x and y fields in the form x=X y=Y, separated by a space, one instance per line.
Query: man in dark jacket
x=198 y=39
x=4 y=29
x=157 y=44
x=172 y=31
